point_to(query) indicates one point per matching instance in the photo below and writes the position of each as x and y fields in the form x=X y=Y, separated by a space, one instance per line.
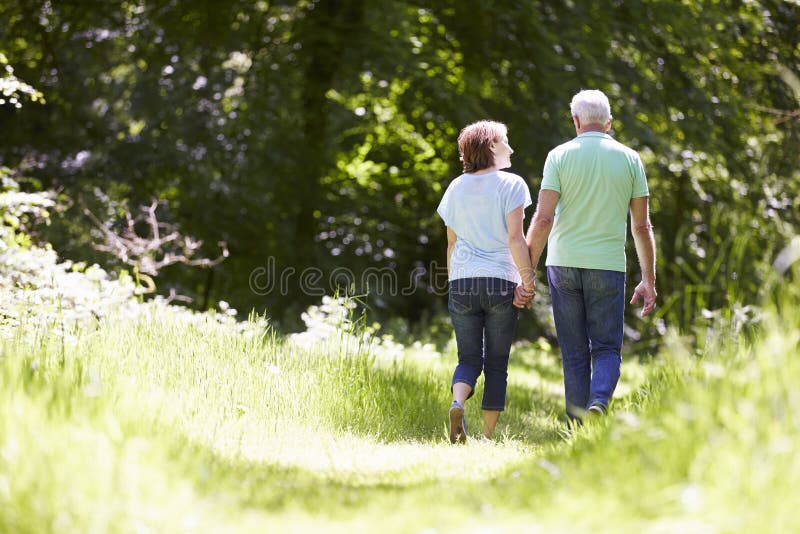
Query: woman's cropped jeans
x=484 y=319
x=588 y=307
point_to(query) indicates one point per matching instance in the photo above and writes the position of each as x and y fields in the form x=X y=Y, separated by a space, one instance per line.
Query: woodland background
x=322 y=134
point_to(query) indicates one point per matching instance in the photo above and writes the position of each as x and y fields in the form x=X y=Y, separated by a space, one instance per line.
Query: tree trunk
x=329 y=32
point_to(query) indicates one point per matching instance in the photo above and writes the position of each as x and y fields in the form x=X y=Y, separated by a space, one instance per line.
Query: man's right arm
x=645 y=242
x=542 y=223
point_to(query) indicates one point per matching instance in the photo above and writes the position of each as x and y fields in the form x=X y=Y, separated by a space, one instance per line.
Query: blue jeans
x=484 y=319
x=588 y=307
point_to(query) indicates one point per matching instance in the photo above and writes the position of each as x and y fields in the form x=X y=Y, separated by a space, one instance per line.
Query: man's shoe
x=596 y=410
x=458 y=423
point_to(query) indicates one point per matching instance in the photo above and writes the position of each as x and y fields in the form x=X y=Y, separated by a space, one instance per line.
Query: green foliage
x=321 y=134
x=20 y=212
x=38 y=290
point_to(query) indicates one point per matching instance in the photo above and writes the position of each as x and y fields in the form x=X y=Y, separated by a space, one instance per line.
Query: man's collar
x=594 y=134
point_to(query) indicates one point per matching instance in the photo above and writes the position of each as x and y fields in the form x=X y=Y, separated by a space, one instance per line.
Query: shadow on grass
x=545 y=365
x=405 y=403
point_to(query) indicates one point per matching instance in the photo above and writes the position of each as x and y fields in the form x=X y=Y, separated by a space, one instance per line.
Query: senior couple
x=589 y=186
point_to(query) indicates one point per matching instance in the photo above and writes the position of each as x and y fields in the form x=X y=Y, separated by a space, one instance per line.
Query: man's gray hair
x=591 y=107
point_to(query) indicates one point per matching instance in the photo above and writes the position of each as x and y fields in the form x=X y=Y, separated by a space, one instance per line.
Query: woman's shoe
x=458 y=423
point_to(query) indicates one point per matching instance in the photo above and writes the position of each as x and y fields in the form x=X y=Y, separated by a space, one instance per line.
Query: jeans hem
x=493 y=408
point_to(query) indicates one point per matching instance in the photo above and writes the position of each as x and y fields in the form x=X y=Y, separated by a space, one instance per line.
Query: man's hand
x=648 y=293
x=523 y=297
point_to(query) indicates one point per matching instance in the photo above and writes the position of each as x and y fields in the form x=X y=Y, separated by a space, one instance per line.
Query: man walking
x=589 y=185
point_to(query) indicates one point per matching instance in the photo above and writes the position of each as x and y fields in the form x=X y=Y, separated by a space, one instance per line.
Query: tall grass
x=165 y=424
x=132 y=423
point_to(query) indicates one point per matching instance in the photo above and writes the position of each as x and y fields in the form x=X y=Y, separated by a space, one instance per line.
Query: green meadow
x=168 y=421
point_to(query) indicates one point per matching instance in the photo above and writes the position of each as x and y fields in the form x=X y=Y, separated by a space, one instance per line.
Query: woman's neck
x=487 y=170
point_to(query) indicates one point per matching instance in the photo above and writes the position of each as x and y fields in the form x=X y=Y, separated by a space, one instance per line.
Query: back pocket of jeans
x=562 y=277
x=459 y=302
x=501 y=300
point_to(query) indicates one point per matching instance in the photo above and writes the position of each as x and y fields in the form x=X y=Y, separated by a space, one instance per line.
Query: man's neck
x=592 y=128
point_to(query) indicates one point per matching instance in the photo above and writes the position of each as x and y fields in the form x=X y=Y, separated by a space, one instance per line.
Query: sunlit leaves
x=14 y=91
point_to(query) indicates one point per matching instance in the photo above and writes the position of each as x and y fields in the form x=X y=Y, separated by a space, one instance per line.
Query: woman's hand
x=523 y=295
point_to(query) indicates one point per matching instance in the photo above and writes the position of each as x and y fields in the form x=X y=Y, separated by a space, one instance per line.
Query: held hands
x=648 y=293
x=523 y=295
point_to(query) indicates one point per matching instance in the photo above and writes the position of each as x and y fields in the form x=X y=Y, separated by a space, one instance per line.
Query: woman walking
x=487 y=262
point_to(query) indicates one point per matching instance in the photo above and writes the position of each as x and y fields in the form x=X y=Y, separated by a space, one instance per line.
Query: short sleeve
x=550 y=178
x=640 y=188
x=518 y=195
x=444 y=208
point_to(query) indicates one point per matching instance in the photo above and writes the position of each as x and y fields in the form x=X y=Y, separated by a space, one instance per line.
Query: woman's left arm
x=519 y=248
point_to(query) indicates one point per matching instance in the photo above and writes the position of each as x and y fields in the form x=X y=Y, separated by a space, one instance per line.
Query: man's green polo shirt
x=596 y=177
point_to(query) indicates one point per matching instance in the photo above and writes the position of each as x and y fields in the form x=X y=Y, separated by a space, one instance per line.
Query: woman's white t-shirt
x=475 y=206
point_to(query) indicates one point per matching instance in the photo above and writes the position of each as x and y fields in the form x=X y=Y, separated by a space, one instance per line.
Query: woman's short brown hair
x=475 y=144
